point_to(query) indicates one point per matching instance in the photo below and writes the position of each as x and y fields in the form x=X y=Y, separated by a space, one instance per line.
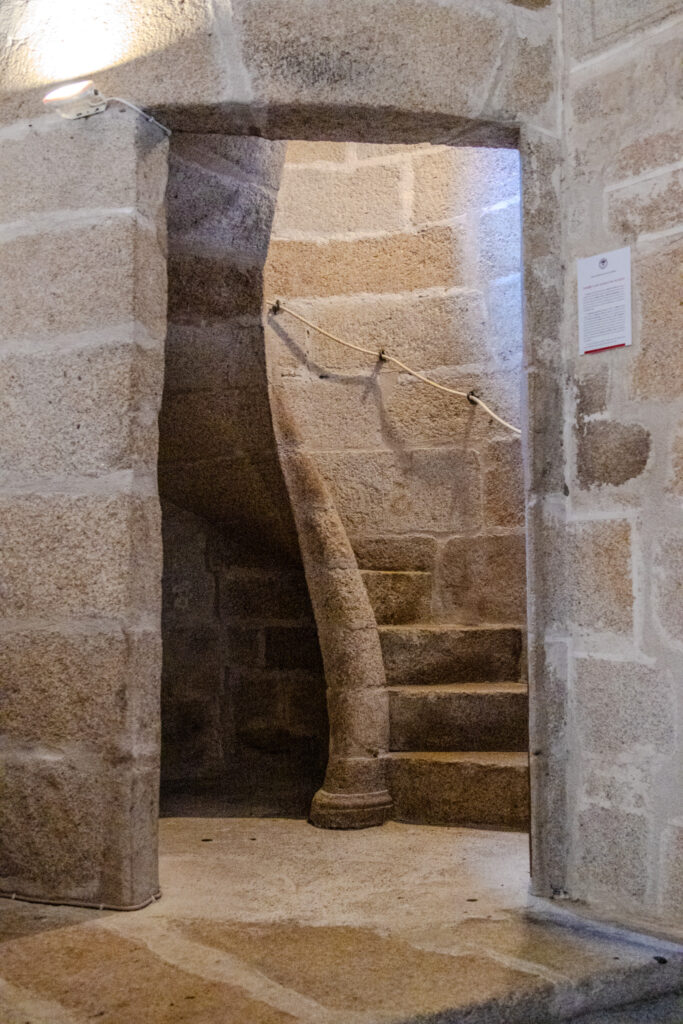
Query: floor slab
x=270 y=921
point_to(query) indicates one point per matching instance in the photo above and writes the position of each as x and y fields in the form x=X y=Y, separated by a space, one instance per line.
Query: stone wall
x=415 y=249
x=243 y=707
x=593 y=106
x=82 y=323
x=611 y=528
x=298 y=68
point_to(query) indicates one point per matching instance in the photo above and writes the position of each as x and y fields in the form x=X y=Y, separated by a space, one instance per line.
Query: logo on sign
x=603 y=263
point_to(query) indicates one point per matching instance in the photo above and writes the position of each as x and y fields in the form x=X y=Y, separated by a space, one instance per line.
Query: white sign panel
x=605 y=301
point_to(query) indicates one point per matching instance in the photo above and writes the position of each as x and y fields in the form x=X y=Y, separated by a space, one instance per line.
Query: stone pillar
x=82 y=323
x=354 y=793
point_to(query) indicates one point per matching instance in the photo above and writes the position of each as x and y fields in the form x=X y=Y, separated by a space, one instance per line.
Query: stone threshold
x=271 y=921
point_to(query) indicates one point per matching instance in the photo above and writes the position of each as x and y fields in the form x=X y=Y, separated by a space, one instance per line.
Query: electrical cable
x=147 y=117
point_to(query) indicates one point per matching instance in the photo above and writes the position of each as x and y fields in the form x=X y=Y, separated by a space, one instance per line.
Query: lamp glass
x=78 y=99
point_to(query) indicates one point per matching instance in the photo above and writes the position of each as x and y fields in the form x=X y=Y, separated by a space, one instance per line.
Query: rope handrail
x=385 y=357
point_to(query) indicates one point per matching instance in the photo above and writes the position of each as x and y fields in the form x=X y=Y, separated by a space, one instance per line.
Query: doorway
x=410 y=248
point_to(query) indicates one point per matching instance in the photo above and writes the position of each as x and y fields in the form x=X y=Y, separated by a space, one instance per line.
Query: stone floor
x=274 y=922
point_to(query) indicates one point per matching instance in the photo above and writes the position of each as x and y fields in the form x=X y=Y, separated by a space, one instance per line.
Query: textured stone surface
x=392 y=263
x=100 y=415
x=650 y=206
x=215 y=285
x=529 y=83
x=107 y=161
x=152 y=985
x=92 y=842
x=378 y=492
x=594 y=26
x=208 y=356
x=395 y=553
x=612 y=842
x=207 y=424
x=406 y=942
x=449 y=181
x=416 y=415
x=103 y=257
x=504 y=485
x=399 y=596
x=657 y=1011
x=83 y=315
x=676 y=467
x=82 y=555
x=425 y=328
x=500 y=240
x=590 y=580
x=481 y=790
x=546 y=455
x=591 y=392
x=657 y=372
x=316 y=152
x=97 y=689
x=215 y=213
x=354 y=63
x=611 y=453
x=668 y=585
x=482 y=579
x=249 y=159
x=505 y=337
x=654 y=150
x=416 y=655
x=332 y=414
x=623 y=708
x=672 y=888
x=372 y=201
x=479 y=716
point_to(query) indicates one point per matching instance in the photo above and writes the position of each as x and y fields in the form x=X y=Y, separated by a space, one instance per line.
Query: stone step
x=399 y=597
x=459 y=716
x=477 y=790
x=435 y=655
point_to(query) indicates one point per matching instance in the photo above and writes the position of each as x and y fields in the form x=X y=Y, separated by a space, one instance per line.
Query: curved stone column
x=353 y=794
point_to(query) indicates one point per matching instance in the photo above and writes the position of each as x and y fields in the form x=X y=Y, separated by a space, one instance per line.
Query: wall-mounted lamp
x=82 y=99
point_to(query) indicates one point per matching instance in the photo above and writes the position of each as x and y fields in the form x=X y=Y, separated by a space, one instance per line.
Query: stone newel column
x=82 y=323
x=354 y=794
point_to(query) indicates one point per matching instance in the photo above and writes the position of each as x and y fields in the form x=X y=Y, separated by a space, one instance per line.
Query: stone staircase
x=458 y=711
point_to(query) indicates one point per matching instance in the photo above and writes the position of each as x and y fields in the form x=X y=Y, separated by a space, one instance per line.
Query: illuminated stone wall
x=607 y=524
x=82 y=323
x=415 y=249
x=593 y=109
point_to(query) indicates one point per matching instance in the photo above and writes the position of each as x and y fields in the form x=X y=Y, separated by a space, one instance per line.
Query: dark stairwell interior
x=244 y=727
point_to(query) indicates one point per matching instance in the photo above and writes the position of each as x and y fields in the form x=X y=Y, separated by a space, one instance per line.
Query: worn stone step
x=475 y=789
x=459 y=716
x=441 y=654
x=399 y=597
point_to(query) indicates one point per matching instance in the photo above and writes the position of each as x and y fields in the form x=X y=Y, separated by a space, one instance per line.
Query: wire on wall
x=277 y=307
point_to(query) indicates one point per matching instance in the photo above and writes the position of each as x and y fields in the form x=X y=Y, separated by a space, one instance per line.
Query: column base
x=350 y=810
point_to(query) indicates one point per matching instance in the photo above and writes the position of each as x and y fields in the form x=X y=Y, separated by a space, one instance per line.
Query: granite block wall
x=590 y=90
x=415 y=249
x=82 y=322
x=613 y=597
